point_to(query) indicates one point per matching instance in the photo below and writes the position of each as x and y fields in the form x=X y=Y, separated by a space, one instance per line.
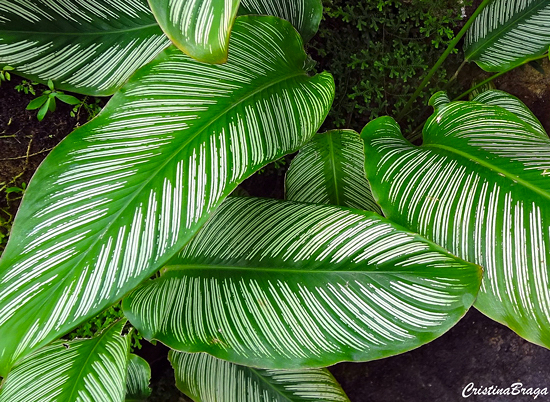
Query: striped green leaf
x=305 y=15
x=90 y=47
x=508 y=33
x=480 y=187
x=80 y=370
x=330 y=169
x=514 y=105
x=207 y=379
x=122 y=194
x=200 y=28
x=137 y=379
x=285 y=285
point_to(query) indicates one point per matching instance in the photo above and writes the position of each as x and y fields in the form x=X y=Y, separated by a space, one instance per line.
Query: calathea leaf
x=207 y=379
x=89 y=47
x=480 y=187
x=330 y=169
x=200 y=28
x=514 y=105
x=285 y=285
x=79 y=370
x=508 y=33
x=137 y=379
x=122 y=194
x=305 y=15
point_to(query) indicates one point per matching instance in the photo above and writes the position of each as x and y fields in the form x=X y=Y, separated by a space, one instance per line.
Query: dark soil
x=25 y=142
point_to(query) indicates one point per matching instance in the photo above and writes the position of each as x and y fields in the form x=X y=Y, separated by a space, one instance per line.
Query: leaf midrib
x=219 y=267
x=495 y=35
x=94 y=347
x=96 y=33
x=191 y=138
x=272 y=386
x=494 y=168
x=332 y=161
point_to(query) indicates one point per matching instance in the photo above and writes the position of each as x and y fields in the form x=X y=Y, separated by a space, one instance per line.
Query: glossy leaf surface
x=207 y=379
x=330 y=169
x=305 y=15
x=122 y=194
x=200 y=28
x=137 y=379
x=79 y=370
x=508 y=33
x=278 y=284
x=90 y=47
x=480 y=187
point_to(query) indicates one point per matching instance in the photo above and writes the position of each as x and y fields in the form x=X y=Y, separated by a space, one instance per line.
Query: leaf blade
x=90 y=369
x=305 y=15
x=205 y=378
x=90 y=48
x=137 y=379
x=199 y=28
x=284 y=285
x=330 y=169
x=508 y=33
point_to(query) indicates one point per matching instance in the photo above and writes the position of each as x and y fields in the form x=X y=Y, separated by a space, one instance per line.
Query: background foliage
x=379 y=51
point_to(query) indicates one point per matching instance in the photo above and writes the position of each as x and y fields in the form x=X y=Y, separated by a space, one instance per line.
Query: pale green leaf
x=137 y=379
x=305 y=15
x=514 y=105
x=122 y=194
x=207 y=379
x=89 y=47
x=508 y=33
x=286 y=285
x=480 y=187
x=330 y=169
x=200 y=28
x=80 y=370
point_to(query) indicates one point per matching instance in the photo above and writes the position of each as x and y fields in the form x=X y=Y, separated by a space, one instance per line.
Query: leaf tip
x=439 y=100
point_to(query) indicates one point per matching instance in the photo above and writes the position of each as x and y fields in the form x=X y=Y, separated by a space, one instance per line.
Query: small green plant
x=389 y=46
x=275 y=167
x=4 y=74
x=5 y=227
x=90 y=104
x=6 y=218
x=101 y=322
x=27 y=87
x=17 y=189
x=47 y=101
